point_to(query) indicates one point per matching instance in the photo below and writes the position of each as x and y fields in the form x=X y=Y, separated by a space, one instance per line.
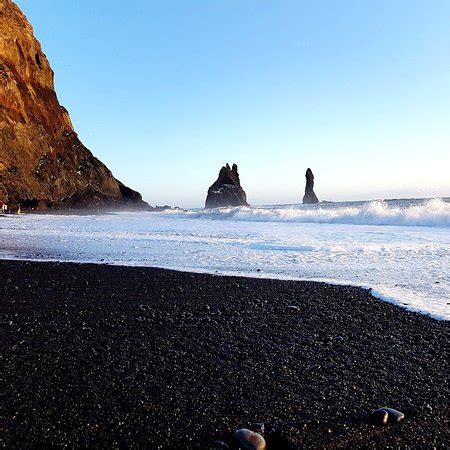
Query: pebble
x=249 y=440
x=383 y=416
x=219 y=445
x=259 y=428
x=296 y=308
x=379 y=417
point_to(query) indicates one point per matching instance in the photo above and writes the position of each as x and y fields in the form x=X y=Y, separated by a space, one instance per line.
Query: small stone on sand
x=379 y=417
x=219 y=445
x=383 y=416
x=258 y=428
x=249 y=440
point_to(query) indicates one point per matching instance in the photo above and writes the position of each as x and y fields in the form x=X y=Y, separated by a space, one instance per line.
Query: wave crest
x=429 y=213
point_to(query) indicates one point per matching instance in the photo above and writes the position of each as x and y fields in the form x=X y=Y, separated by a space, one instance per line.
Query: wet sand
x=118 y=357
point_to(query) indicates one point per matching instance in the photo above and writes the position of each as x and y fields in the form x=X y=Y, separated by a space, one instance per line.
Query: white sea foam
x=401 y=249
x=429 y=213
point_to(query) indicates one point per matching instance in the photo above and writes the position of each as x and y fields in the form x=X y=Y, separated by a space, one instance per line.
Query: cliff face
x=42 y=161
x=310 y=196
x=227 y=190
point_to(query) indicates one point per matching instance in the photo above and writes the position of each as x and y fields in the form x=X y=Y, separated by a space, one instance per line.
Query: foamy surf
x=428 y=213
x=400 y=249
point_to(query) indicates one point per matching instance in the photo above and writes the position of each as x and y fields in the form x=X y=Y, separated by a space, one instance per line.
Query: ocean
x=398 y=248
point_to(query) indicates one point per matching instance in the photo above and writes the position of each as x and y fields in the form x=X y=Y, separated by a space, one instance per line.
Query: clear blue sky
x=166 y=91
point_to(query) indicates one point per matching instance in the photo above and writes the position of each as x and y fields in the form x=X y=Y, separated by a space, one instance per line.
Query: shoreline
x=130 y=356
x=373 y=291
x=401 y=264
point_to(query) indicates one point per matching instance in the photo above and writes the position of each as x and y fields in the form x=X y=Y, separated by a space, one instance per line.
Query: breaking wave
x=428 y=213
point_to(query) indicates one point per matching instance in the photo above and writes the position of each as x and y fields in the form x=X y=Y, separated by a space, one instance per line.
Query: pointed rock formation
x=42 y=161
x=227 y=190
x=310 y=196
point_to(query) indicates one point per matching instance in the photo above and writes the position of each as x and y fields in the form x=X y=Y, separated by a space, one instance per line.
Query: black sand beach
x=119 y=357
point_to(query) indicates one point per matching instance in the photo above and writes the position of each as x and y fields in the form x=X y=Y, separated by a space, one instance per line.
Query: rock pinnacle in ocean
x=227 y=190
x=42 y=162
x=310 y=196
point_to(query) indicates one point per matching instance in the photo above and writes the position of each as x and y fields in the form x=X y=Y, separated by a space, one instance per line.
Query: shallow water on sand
x=399 y=248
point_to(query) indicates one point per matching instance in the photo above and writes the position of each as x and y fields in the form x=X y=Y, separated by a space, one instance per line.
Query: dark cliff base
x=118 y=357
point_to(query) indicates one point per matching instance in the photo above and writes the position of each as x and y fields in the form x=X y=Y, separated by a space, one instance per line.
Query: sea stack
x=43 y=164
x=227 y=190
x=310 y=197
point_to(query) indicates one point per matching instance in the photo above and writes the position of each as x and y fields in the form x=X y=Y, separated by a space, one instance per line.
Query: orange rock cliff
x=42 y=162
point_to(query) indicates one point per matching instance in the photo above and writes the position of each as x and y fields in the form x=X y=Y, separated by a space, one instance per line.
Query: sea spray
x=429 y=213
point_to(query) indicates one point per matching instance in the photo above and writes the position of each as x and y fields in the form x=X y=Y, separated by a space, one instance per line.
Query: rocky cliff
x=310 y=196
x=227 y=190
x=42 y=161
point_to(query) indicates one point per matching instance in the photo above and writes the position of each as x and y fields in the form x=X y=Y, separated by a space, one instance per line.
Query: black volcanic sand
x=118 y=357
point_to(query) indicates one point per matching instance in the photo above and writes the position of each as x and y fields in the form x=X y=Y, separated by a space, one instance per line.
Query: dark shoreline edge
x=373 y=292
x=102 y=355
